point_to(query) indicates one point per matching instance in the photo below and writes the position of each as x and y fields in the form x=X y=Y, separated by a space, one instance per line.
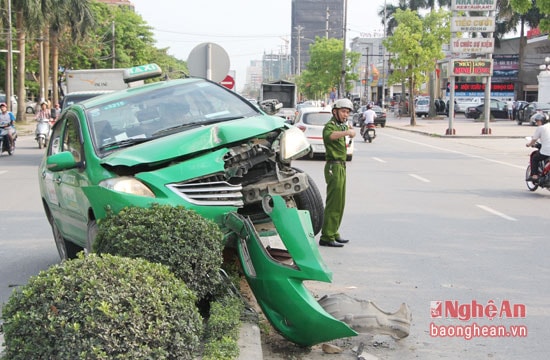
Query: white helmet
x=343 y=103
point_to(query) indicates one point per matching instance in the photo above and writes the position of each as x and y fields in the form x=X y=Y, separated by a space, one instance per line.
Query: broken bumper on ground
x=276 y=275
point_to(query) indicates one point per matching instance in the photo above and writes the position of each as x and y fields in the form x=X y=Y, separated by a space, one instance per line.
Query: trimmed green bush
x=102 y=308
x=190 y=245
x=222 y=329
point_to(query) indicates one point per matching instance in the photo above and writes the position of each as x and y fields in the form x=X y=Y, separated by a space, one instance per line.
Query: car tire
x=66 y=249
x=29 y=110
x=312 y=201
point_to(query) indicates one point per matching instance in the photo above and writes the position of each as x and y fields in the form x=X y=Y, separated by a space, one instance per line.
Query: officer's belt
x=339 y=162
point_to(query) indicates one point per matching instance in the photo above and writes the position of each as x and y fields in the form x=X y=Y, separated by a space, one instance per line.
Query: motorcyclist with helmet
x=334 y=139
x=7 y=120
x=541 y=135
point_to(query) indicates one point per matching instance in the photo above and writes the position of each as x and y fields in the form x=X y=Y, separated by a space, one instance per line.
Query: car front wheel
x=66 y=249
x=312 y=201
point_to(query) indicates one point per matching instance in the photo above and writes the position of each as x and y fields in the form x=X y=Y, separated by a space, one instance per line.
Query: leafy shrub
x=190 y=245
x=102 y=308
x=222 y=329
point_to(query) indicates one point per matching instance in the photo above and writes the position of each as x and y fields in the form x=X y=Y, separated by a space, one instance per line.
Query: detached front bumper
x=276 y=275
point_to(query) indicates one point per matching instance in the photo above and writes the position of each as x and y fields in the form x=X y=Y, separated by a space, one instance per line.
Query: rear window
x=316 y=118
x=423 y=102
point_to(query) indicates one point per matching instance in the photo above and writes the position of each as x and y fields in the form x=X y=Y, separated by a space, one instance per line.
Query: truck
x=84 y=84
x=284 y=92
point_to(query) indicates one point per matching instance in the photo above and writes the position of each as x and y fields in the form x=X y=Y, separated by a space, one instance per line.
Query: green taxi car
x=194 y=143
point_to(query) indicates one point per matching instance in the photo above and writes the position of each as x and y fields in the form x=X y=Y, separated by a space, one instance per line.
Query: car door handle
x=58 y=180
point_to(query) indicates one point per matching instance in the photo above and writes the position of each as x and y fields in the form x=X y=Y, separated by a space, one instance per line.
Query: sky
x=245 y=29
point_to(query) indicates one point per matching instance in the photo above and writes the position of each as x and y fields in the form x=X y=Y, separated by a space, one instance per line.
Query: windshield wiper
x=123 y=143
x=180 y=126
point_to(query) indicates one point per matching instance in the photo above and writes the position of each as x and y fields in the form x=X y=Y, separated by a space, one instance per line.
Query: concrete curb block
x=250 y=342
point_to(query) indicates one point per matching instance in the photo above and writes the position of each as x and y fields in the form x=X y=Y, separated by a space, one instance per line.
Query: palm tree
x=73 y=15
x=27 y=17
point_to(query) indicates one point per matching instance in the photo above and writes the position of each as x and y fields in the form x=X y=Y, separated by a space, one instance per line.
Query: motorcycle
x=42 y=132
x=5 y=142
x=544 y=173
x=368 y=132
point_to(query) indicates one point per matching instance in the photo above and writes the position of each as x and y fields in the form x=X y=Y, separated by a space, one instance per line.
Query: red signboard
x=228 y=82
x=471 y=67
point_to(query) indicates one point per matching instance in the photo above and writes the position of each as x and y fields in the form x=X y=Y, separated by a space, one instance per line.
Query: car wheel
x=66 y=249
x=29 y=110
x=519 y=122
x=383 y=124
x=312 y=201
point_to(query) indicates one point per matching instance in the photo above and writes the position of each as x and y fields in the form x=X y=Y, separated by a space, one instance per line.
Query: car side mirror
x=61 y=161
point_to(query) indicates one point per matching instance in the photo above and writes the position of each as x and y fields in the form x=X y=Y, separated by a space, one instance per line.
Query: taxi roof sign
x=141 y=72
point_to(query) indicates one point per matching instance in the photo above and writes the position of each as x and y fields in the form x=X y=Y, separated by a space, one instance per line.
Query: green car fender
x=278 y=284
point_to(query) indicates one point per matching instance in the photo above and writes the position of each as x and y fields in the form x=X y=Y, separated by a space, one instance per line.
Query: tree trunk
x=55 y=66
x=412 y=109
x=47 y=64
x=21 y=41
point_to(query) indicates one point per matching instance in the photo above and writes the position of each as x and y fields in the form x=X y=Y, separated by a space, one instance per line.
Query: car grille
x=215 y=193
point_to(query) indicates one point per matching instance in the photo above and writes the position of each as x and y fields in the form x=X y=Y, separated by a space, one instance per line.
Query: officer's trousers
x=335 y=177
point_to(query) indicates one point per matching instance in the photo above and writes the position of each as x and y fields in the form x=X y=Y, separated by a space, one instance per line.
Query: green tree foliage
x=324 y=69
x=417 y=43
x=523 y=6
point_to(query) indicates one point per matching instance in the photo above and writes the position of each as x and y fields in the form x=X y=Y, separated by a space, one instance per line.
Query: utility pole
x=384 y=62
x=298 y=68
x=326 y=23
x=113 y=49
x=343 y=77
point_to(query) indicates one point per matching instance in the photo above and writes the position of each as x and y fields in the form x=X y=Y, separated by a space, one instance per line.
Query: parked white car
x=466 y=102
x=312 y=120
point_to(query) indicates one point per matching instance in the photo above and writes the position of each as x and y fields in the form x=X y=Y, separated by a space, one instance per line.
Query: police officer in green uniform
x=334 y=138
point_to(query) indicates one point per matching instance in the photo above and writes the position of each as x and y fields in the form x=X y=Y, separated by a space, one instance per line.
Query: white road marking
x=456 y=152
x=3 y=172
x=379 y=160
x=497 y=213
x=419 y=178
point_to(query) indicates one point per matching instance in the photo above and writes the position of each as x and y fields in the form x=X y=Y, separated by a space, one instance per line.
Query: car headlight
x=127 y=185
x=294 y=144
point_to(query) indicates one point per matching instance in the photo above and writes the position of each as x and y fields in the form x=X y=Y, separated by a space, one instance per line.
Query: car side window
x=55 y=138
x=71 y=138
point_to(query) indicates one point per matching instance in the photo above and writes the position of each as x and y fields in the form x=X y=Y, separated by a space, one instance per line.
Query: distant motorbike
x=42 y=132
x=368 y=132
x=5 y=142
x=544 y=174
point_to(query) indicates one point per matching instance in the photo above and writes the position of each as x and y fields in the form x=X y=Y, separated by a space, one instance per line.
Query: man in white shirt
x=510 y=108
x=369 y=115
x=542 y=135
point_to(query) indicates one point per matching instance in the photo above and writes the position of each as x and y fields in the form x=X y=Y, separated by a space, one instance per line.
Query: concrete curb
x=250 y=341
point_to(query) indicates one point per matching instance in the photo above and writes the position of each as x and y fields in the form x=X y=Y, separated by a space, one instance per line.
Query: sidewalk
x=463 y=127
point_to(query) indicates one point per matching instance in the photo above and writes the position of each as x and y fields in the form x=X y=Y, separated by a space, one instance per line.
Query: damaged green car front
x=196 y=144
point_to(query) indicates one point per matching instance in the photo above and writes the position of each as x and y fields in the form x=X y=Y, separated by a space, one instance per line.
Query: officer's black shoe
x=342 y=241
x=330 y=244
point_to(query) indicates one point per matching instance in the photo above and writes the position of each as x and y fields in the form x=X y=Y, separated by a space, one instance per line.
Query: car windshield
x=144 y=115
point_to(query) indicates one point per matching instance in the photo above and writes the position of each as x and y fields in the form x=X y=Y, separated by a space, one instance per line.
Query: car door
x=73 y=204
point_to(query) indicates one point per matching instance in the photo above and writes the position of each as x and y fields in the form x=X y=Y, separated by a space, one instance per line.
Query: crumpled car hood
x=193 y=141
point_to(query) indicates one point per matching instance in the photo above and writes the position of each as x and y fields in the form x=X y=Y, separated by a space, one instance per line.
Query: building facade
x=311 y=19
